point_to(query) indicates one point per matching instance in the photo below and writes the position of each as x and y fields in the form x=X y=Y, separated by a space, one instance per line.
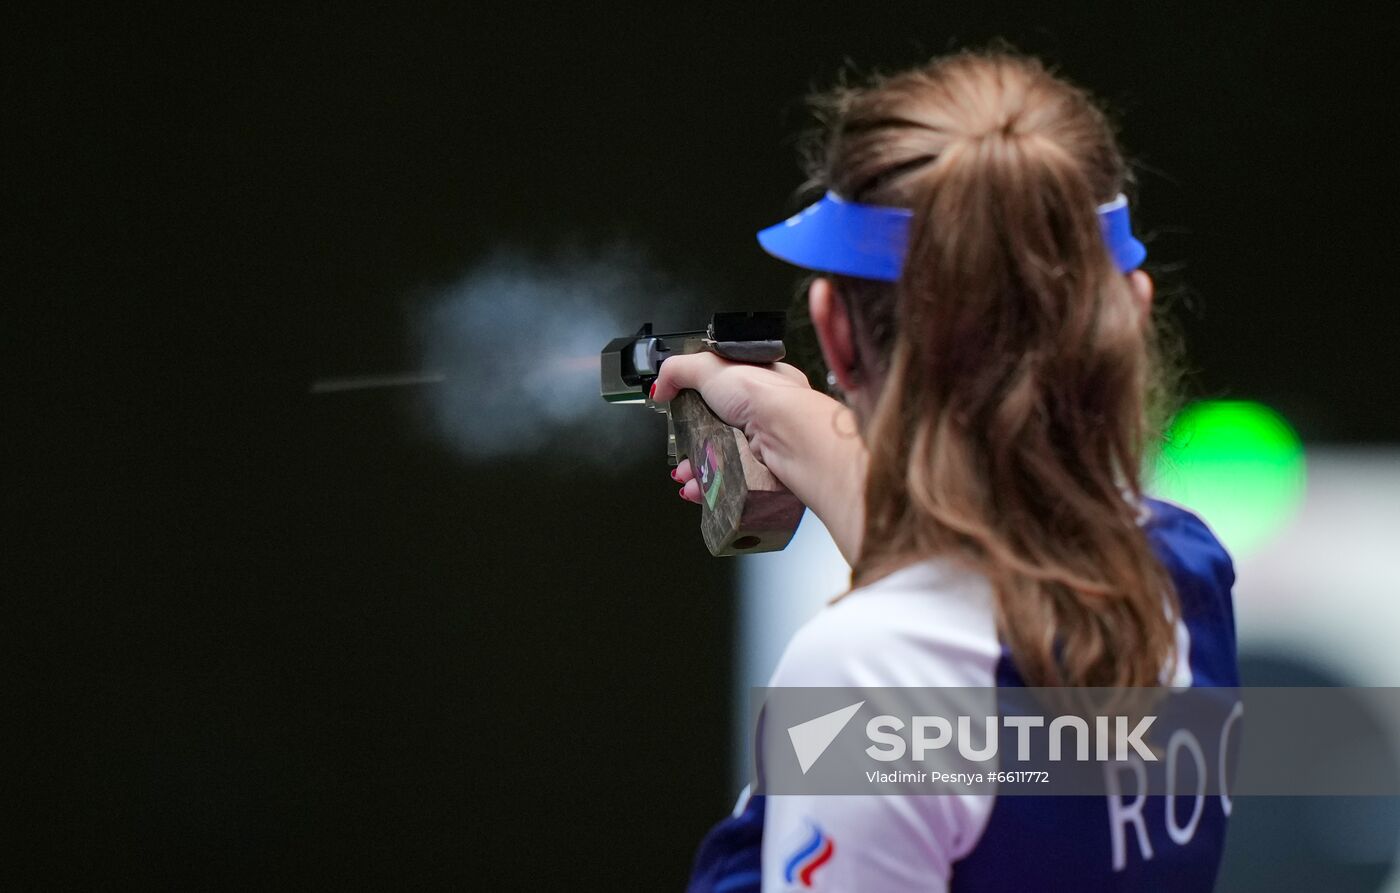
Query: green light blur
x=1238 y=465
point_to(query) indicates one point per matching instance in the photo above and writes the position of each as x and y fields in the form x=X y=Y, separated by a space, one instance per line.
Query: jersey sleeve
x=880 y=842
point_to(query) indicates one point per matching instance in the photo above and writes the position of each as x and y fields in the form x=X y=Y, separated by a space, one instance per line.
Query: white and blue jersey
x=932 y=624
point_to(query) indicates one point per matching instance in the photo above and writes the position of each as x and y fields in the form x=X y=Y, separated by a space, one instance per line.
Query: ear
x=834 y=332
x=1143 y=291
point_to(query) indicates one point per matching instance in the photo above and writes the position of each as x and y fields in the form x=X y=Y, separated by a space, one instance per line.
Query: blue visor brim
x=869 y=241
x=1128 y=253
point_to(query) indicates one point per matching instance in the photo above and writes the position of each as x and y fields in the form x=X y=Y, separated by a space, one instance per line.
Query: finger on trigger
x=681 y=372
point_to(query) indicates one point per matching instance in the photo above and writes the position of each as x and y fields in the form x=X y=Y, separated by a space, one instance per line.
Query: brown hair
x=1011 y=422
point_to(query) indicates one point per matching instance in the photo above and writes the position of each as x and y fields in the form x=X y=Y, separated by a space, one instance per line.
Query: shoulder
x=929 y=624
x=1186 y=544
x=1204 y=575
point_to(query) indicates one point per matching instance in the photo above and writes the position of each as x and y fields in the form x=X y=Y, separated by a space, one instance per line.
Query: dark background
x=262 y=635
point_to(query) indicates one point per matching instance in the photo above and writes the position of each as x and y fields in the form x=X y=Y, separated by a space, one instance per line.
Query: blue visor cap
x=869 y=241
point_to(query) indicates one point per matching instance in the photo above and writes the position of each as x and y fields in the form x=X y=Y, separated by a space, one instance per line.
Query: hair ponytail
x=1010 y=425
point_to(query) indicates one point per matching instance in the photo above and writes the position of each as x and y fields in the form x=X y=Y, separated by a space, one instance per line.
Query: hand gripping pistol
x=745 y=509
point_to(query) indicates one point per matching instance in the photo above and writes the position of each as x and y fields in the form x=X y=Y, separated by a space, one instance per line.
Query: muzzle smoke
x=516 y=342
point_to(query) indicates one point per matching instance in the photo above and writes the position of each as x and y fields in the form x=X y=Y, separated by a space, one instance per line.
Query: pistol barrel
x=631 y=363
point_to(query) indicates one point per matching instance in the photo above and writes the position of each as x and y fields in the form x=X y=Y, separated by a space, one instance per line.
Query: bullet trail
x=368 y=382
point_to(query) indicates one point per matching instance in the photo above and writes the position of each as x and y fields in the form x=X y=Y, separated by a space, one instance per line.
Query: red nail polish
x=652 y=394
x=673 y=475
x=681 y=494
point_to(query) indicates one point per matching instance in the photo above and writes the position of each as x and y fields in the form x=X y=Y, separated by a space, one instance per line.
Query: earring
x=833 y=387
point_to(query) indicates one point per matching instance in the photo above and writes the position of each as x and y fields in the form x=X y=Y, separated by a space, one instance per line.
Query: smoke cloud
x=516 y=341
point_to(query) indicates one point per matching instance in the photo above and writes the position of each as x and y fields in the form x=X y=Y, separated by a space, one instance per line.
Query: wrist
x=812 y=443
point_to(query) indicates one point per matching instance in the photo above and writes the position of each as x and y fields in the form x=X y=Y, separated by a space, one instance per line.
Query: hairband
x=869 y=241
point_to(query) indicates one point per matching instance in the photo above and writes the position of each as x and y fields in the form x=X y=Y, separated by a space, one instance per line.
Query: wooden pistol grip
x=744 y=508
